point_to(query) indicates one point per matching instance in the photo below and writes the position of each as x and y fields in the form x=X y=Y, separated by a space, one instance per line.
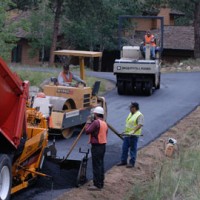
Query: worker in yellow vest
x=65 y=77
x=133 y=129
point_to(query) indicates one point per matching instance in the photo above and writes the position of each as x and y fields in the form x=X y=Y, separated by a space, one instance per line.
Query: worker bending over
x=150 y=40
x=65 y=77
x=97 y=129
x=133 y=129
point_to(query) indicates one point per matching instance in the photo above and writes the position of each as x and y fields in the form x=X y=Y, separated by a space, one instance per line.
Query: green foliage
x=35 y=78
x=24 y=4
x=86 y=25
x=153 y=6
x=187 y=7
x=7 y=30
x=93 y=25
x=39 y=26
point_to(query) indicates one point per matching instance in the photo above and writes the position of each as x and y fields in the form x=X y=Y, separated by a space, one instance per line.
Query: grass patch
x=36 y=78
x=191 y=62
x=175 y=179
x=183 y=63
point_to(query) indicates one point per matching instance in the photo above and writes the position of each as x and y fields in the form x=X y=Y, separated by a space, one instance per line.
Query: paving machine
x=70 y=106
x=23 y=135
x=135 y=71
x=24 y=138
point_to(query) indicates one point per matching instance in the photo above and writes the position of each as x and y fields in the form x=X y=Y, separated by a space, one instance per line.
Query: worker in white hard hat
x=97 y=129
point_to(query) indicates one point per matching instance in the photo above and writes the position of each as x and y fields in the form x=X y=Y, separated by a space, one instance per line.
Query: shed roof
x=176 y=12
x=17 y=17
x=179 y=37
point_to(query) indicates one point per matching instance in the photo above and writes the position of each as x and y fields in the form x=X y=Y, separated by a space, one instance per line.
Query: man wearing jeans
x=149 y=39
x=133 y=129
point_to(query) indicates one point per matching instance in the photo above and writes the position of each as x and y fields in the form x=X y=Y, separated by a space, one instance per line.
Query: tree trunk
x=58 y=9
x=197 y=30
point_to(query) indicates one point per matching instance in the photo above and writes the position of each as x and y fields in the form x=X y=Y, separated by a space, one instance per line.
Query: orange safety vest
x=69 y=80
x=102 y=135
x=150 y=40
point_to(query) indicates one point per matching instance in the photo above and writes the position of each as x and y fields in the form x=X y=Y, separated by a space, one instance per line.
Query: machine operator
x=65 y=77
x=151 y=40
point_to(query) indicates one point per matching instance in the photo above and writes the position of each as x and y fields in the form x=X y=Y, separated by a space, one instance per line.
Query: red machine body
x=13 y=97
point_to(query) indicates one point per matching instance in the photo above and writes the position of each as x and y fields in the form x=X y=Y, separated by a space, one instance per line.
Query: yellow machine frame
x=27 y=165
x=81 y=55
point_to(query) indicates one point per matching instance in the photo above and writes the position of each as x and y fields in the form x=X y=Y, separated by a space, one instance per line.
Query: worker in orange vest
x=151 y=40
x=97 y=129
x=65 y=77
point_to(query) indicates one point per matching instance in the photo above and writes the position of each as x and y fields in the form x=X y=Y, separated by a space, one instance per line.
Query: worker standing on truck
x=97 y=129
x=133 y=129
x=151 y=40
x=65 y=77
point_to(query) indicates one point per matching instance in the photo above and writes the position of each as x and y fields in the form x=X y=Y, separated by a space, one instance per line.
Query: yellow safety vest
x=131 y=123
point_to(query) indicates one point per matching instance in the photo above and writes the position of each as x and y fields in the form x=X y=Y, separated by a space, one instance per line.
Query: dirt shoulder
x=119 y=181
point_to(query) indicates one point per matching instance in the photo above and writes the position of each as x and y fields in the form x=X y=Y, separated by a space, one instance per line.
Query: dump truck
x=69 y=105
x=23 y=135
x=24 y=138
x=136 y=72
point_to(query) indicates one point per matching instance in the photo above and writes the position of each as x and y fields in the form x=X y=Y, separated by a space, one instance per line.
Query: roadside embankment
x=155 y=176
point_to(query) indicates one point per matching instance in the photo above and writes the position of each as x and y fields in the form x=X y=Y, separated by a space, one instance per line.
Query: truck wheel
x=5 y=177
x=148 y=88
x=120 y=87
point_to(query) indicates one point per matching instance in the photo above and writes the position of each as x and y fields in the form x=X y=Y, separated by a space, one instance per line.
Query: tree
x=57 y=6
x=7 y=30
x=39 y=26
x=197 y=30
x=24 y=4
x=93 y=25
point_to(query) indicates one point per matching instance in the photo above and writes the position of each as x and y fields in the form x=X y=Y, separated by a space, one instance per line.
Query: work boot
x=121 y=164
x=94 y=188
x=129 y=165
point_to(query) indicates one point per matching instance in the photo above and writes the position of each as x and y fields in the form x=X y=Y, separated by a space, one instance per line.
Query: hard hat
x=40 y=95
x=99 y=110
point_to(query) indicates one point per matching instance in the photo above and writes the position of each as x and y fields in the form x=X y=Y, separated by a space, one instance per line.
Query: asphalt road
x=179 y=95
